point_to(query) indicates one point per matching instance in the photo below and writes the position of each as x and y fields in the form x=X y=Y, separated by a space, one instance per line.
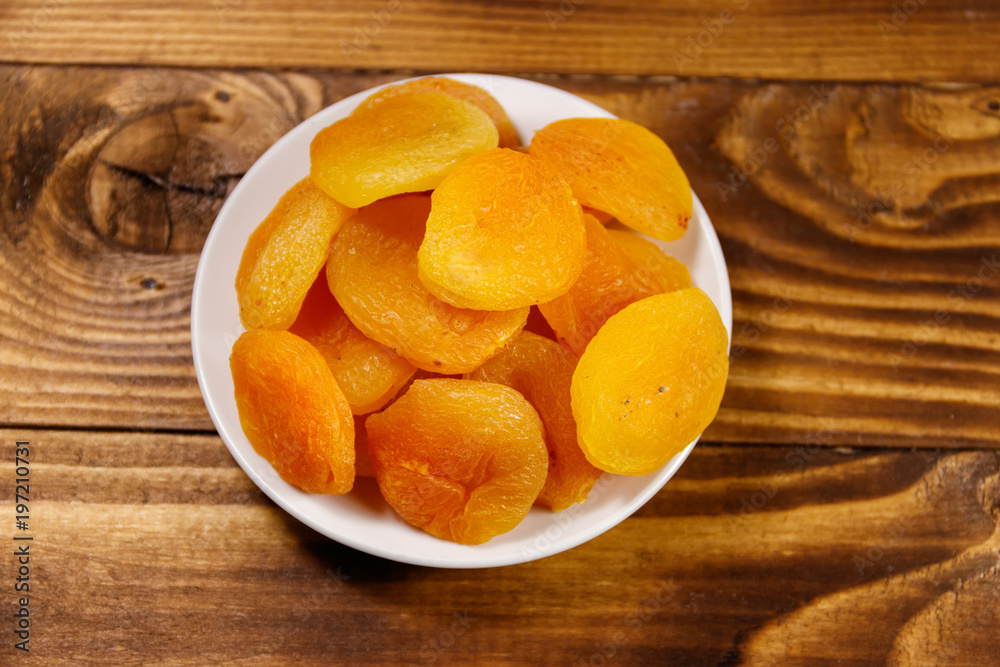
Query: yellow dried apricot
x=284 y=255
x=464 y=91
x=406 y=143
x=670 y=273
x=621 y=168
x=650 y=381
x=610 y=280
x=372 y=272
x=292 y=411
x=503 y=233
x=459 y=459
x=368 y=372
x=542 y=370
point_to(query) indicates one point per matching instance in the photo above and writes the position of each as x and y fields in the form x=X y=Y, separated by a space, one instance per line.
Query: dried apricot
x=368 y=372
x=650 y=381
x=292 y=411
x=284 y=255
x=670 y=273
x=362 y=460
x=464 y=91
x=602 y=217
x=422 y=374
x=621 y=168
x=461 y=460
x=373 y=274
x=542 y=370
x=610 y=280
x=502 y=233
x=406 y=143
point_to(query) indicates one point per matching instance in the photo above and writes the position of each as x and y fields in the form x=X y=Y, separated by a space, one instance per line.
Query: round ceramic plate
x=361 y=519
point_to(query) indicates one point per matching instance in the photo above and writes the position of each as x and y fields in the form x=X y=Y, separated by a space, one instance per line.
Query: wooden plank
x=863 y=258
x=772 y=39
x=104 y=217
x=154 y=548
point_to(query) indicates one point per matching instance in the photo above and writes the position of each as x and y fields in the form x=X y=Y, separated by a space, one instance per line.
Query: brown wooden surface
x=158 y=548
x=843 y=508
x=862 y=314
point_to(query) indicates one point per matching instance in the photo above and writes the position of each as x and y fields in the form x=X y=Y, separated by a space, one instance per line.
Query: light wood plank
x=875 y=333
x=771 y=39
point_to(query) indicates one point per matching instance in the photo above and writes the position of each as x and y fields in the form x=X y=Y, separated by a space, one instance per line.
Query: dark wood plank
x=104 y=214
x=863 y=259
x=156 y=548
x=772 y=39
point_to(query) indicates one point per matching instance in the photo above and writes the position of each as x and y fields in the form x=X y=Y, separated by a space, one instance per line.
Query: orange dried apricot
x=503 y=233
x=368 y=372
x=650 y=381
x=362 y=460
x=372 y=272
x=284 y=255
x=620 y=168
x=610 y=280
x=464 y=91
x=459 y=459
x=542 y=370
x=292 y=411
x=602 y=217
x=406 y=143
x=421 y=374
x=670 y=273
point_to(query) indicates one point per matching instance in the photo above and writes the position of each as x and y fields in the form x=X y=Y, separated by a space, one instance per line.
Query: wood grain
x=849 y=157
x=157 y=548
x=113 y=180
x=861 y=226
x=868 y=40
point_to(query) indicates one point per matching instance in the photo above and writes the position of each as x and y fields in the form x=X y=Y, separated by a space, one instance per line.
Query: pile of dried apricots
x=444 y=310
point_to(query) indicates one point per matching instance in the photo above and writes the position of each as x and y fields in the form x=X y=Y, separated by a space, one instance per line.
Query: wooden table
x=842 y=509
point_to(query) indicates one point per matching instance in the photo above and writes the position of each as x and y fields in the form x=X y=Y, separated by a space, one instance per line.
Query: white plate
x=361 y=519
